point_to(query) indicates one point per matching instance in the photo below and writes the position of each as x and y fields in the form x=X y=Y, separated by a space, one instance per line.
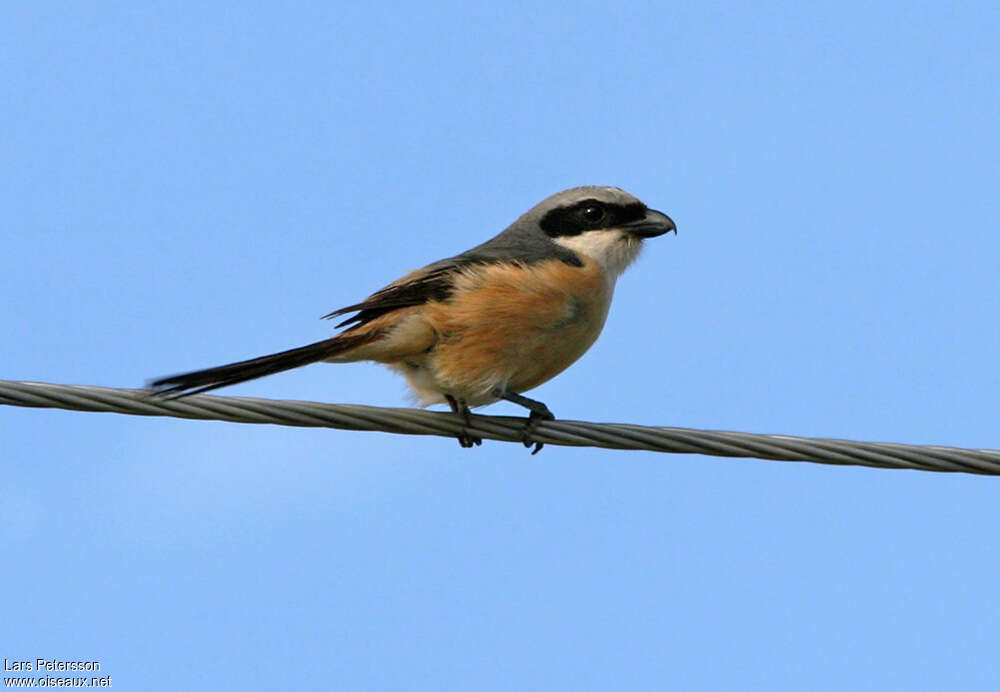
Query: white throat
x=612 y=248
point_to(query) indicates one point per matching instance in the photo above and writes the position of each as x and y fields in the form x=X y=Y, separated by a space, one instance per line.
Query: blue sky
x=188 y=184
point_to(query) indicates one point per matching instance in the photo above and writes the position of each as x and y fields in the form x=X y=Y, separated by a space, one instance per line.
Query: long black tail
x=225 y=375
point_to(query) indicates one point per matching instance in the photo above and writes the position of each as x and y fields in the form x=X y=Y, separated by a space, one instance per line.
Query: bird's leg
x=458 y=406
x=539 y=412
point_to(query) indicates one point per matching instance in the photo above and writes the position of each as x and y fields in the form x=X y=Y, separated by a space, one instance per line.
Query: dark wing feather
x=519 y=244
x=434 y=283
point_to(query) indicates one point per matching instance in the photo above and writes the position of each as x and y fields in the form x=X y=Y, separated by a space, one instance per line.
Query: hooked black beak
x=653 y=224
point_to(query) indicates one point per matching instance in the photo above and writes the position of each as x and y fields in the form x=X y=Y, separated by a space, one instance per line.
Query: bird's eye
x=593 y=214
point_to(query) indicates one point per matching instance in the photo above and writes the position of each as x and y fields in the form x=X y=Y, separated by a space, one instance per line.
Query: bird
x=490 y=323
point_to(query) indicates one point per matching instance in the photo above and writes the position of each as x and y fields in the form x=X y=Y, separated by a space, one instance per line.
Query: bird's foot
x=539 y=412
x=527 y=436
x=465 y=438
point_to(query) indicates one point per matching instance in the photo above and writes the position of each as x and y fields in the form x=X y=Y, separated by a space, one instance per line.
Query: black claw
x=465 y=439
x=536 y=415
x=539 y=412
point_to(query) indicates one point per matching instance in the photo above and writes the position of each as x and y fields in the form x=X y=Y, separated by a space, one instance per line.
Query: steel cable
x=410 y=421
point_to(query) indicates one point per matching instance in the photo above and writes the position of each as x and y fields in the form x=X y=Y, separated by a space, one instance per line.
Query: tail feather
x=224 y=375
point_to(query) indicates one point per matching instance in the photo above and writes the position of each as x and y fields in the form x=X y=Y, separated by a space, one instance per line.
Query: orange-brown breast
x=515 y=326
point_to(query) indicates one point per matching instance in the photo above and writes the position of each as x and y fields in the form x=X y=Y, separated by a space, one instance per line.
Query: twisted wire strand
x=409 y=421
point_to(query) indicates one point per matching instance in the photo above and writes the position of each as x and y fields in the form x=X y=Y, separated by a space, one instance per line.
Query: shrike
x=488 y=324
